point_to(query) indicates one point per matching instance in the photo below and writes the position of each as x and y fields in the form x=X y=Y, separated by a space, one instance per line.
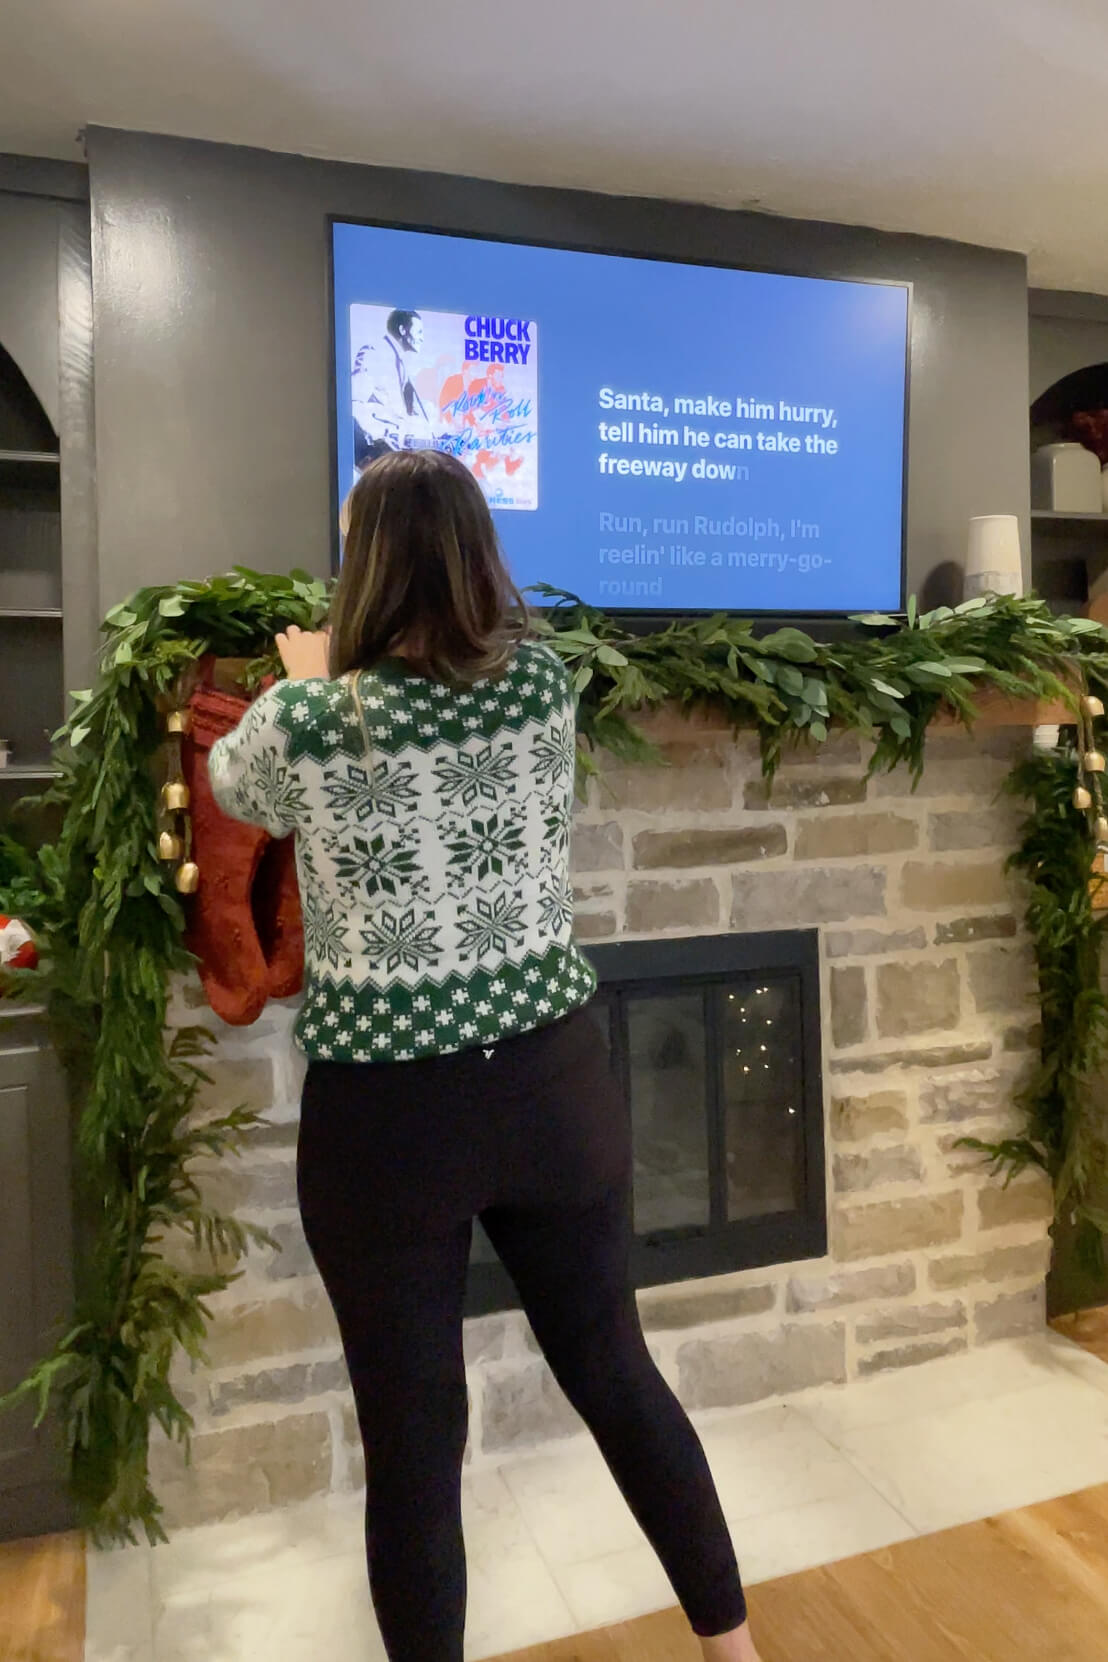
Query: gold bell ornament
x=1092 y=705
x=1093 y=761
x=170 y=846
x=1082 y=799
x=178 y=721
x=175 y=796
x=187 y=880
x=1100 y=829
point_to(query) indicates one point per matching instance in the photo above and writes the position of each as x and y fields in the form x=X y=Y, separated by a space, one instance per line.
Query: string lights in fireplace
x=763 y=1049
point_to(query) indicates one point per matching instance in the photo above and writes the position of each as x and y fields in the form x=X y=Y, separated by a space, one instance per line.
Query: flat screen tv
x=655 y=437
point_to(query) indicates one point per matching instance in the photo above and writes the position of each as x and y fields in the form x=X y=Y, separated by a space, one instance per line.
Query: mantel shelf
x=996 y=709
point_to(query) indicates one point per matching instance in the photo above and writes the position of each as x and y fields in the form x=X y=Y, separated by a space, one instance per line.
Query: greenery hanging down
x=1066 y=1132
x=110 y=927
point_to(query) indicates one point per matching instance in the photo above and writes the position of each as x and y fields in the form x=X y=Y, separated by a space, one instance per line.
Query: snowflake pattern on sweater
x=434 y=871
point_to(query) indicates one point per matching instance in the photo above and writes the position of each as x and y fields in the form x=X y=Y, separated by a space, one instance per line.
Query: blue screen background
x=675 y=330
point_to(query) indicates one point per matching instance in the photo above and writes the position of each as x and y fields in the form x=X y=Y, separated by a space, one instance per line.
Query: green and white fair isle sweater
x=434 y=870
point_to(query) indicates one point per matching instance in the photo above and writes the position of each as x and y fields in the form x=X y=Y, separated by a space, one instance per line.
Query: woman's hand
x=305 y=654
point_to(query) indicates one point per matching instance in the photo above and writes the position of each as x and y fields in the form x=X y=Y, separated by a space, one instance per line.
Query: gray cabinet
x=35 y=1266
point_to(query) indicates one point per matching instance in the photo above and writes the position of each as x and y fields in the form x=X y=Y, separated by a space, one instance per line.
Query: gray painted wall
x=212 y=346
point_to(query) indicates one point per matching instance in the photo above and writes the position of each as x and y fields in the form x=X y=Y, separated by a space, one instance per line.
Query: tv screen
x=651 y=436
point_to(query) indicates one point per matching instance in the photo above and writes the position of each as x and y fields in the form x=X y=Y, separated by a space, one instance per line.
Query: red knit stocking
x=277 y=918
x=244 y=922
x=221 y=930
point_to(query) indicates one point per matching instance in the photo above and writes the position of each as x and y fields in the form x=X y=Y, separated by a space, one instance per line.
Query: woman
x=423 y=753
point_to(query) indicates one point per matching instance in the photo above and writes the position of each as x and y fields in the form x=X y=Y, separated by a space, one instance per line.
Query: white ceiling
x=983 y=120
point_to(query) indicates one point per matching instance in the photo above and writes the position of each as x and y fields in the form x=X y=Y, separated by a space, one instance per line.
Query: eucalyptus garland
x=111 y=927
x=886 y=682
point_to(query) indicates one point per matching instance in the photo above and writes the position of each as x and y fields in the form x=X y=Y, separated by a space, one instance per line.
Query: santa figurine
x=17 y=945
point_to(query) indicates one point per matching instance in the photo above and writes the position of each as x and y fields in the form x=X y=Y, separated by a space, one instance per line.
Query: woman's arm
x=250 y=774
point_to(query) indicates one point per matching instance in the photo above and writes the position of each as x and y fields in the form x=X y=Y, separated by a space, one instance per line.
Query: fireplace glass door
x=714 y=1046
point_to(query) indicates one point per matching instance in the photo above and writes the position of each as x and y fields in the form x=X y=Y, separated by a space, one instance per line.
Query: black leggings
x=394 y=1162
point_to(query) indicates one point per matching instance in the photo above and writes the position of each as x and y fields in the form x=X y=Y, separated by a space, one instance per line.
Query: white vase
x=1065 y=478
x=994 y=564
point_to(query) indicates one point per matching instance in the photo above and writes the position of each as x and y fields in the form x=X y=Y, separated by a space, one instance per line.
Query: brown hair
x=422 y=569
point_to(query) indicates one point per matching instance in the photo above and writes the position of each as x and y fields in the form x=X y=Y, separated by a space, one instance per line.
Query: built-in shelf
x=30 y=470
x=1053 y=516
x=30 y=458
x=32 y=626
x=1062 y=547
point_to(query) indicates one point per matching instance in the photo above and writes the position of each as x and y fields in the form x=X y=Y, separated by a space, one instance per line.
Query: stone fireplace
x=877 y=932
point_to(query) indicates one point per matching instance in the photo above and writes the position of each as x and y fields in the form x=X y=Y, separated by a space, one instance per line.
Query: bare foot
x=737 y=1646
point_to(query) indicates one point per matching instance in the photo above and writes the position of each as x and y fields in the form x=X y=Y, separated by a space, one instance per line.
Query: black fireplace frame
x=720 y=1247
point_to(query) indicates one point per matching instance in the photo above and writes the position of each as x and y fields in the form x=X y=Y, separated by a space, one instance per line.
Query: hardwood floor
x=1031 y=1583
x=1088 y=1328
x=42 y=1599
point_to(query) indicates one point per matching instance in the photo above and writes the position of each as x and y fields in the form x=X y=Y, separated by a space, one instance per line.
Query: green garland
x=113 y=925
x=1066 y=1130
